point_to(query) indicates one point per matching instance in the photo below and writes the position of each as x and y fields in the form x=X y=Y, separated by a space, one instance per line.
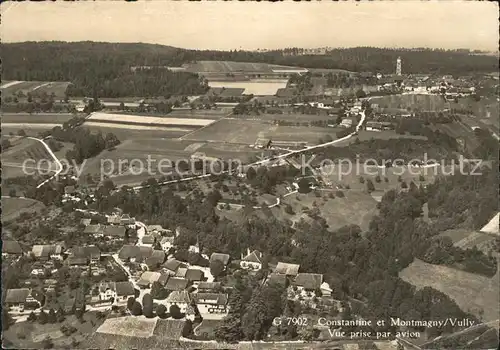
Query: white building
x=211 y=303
x=252 y=261
x=179 y=298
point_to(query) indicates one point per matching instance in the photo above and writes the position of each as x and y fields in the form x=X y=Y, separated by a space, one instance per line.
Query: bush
x=161 y=310
x=136 y=309
x=339 y=194
x=361 y=180
x=175 y=312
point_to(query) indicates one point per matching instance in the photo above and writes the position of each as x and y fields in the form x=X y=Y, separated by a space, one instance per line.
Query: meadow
x=58 y=88
x=13 y=207
x=473 y=293
x=258 y=87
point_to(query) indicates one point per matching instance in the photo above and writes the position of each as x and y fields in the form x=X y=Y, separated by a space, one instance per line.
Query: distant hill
x=57 y=61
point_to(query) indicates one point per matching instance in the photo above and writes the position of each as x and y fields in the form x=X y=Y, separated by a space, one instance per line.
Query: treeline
x=86 y=144
x=83 y=62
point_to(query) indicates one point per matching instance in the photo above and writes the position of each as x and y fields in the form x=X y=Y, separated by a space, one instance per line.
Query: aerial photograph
x=250 y=175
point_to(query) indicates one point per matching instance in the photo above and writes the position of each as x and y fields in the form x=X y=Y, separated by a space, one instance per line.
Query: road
x=281 y=156
x=56 y=160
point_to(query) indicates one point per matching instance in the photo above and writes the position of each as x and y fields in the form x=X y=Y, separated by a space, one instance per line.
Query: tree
x=147 y=305
x=32 y=317
x=7 y=320
x=136 y=309
x=47 y=343
x=304 y=186
x=404 y=185
x=340 y=194
x=130 y=302
x=378 y=179
x=42 y=317
x=52 y=318
x=161 y=310
x=421 y=177
x=361 y=180
x=216 y=268
x=21 y=132
x=175 y=312
x=369 y=186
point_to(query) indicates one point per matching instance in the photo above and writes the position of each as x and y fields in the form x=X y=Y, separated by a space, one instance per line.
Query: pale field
x=125 y=118
x=134 y=326
x=471 y=292
x=253 y=86
x=492 y=225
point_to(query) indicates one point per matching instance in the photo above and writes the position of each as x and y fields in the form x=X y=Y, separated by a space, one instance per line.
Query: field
x=248 y=131
x=146 y=120
x=258 y=87
x=344 y=174
x=232 y=67
x=467 y=239
x=198 y=114
x=126 y=132
x=473 y=293
x=492 y=225
x=13 y=207
x=206 y=328
x=35 y=118
x=13 y=159
x=292 y=117
x=27 y=335
x=141 y=327
x=35 y=88
x=356 y=208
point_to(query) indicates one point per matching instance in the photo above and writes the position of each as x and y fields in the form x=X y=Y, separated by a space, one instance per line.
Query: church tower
x=398 y=66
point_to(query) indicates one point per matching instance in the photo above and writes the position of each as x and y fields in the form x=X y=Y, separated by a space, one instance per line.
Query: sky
x=251 y=25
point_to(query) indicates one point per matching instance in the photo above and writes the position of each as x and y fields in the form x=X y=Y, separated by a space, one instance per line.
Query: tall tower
x=398 y=66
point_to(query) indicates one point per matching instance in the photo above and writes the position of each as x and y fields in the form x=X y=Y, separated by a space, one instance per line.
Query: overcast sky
x=234 y=25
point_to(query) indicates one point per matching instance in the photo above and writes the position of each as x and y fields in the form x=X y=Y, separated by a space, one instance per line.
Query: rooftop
x=309 y=280
x=287 y=269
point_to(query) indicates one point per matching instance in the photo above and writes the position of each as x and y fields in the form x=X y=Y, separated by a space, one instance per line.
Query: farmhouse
x=223 y=258
x=209 y=287
x=308 y=283
x=179 y=298
x=11 y=248
x=18 y=298
x=176 y=284
x=171 y=266
x=124 y=220
x=262 y=143
x=194 y=276
x=275 y=278
x=148 y=240
x=287 y=269
x=211 y=303
x=96 y=230
x=134 y=253
x=155 y=260
x=90 y=254
x=85 y=222
x=149 y=277
x=346 y=123
x=252 y=261
x=114 y=231
x=46 y=252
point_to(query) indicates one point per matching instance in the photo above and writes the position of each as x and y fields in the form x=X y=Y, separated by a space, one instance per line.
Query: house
x=308 y=283
x=148 y=240
x=211 y=303
x=90 y=254
x=48 y=251
x=223 y=258
x=209 y=287
x=96 y=230
x=181 y=272
x=167 y=243
x=11 y=248
x=149 y=277
x=346 y=123
x=275 y=278
x=121 y=219
x=85 y=222
x=134 y=253
x=252 y=261
x=194 y=276
x=119 y=292
x=77 y=261
x=155 y=260
x=157 y=228
x=326 y=291
x=171 y=266
x=179 y=298
x=262 y=143
x=176 y=284
x=287 y=269
x=114 y=231
x=18 y=298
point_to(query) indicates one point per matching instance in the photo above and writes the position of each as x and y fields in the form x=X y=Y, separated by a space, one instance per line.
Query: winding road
x=56 y=160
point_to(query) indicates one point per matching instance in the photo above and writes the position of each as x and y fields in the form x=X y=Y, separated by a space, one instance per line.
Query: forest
x=106 y=67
